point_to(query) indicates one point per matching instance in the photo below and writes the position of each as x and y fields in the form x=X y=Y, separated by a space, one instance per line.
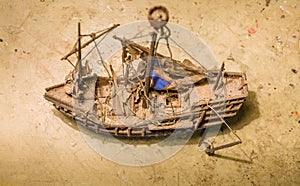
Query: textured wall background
x=38 y=145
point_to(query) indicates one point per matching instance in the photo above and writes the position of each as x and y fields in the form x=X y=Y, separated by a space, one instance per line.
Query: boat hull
x=202 y=115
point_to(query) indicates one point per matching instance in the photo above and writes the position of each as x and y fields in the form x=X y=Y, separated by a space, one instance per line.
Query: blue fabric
x=158 y=82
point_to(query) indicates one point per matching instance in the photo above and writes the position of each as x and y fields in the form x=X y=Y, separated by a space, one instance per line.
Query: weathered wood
x=199 y=120
x=74 y=50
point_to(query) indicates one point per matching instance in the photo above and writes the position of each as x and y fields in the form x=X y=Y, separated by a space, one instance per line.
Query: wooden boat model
x=152 y=94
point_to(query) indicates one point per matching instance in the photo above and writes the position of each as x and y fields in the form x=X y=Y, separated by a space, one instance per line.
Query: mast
x=149 y=67
x=79 y=51
x=94 y=37
x=158 y=17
